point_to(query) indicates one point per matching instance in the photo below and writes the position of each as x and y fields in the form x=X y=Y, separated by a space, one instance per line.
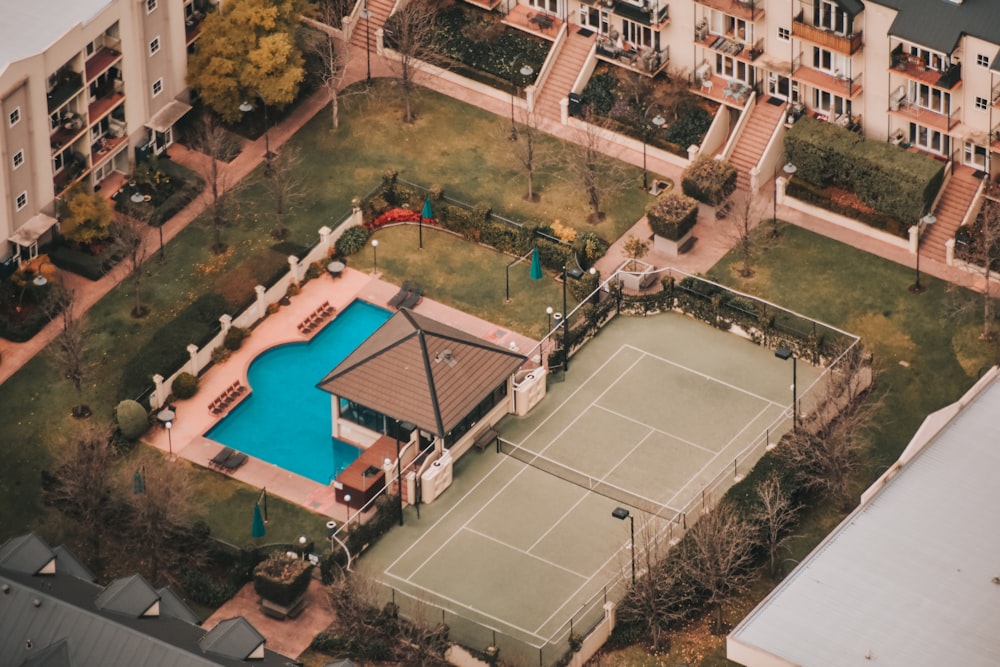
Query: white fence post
x=324 y=238
x=293 y=268
x=193 y=353
x=158 y=398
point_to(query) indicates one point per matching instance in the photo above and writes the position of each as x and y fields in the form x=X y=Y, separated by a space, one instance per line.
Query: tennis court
x=652 y=412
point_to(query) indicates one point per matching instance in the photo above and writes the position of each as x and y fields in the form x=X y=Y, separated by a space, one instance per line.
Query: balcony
x=731 y=47
x=68 y=85
x=846 y=44
x=101 y=61
x=849 y=88
x=71 y=126
x=914 y=68
x=642 y=60
x=102 y=106
x=730 y=92
x=648 y=12
x=909 y=112
x=748 y=10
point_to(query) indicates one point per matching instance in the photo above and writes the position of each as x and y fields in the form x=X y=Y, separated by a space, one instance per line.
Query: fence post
x=324 y=238
x=193 y=354
x=156 y=400
x=227 y=322
x=293 y=268
x=261 y=306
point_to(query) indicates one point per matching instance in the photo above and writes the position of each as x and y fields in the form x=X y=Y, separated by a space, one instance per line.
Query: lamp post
x=548 y=326
x=374 y=257
x=525 y=71
x=303 y=540
x=566 y=273
x=789 y=169
x=166 y=417
x=621 y=513
x=658 y=122
x=331 y=532
x=785 y=354
x=366 y=15
x=246 y=107
x=927 y=220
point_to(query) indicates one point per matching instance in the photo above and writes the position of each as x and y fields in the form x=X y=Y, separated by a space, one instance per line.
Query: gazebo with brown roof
x=418 y=370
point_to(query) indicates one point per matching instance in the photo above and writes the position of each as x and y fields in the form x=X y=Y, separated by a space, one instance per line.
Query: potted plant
x=281 y=581
x=634 y=273
x=672 y=219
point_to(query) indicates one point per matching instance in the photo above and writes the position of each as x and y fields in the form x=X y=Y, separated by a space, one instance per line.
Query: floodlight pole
x=785 y=354
x=659 y=122
x=928 y=220
x=621 y=513
x=399 y=475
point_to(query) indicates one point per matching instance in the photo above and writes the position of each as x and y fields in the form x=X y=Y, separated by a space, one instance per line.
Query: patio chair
x=402 y=294
x=234 y=461
x=224 y=455
x=413 y=298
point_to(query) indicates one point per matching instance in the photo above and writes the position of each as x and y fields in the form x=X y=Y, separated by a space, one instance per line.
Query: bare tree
x=329 y=51
x=528 y=150
x=717 y=555
x=744 y=229
x=410 y=33
x=982 y=252
x=159 y=505
x=129 y=239
x=285 y=187
x=216 y=145
x=599 y=176
x=776 y=514
x=68 y=350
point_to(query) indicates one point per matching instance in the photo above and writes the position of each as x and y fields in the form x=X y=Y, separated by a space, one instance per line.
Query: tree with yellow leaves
x=248 y=48
x=85 y=216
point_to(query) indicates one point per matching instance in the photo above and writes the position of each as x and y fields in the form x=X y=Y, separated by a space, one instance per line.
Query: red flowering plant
x=393 y=215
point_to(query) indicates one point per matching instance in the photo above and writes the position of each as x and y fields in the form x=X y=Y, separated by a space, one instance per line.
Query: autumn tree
x=130 y=241
x=248 y=48
x=68 y=350
x=598 y=175
x=285 y=187
x=717 y=555
x=85 y=217
x=329 y=51
x=410 y=33
x=215 y=144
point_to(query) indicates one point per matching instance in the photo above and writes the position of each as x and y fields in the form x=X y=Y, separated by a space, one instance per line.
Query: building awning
x=165 y=118
x=32 y=230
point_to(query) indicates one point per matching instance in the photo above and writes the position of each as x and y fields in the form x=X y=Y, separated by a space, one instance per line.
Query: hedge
x=133 y=420
x=894 y=182
x=672 y=216
x=68 y=257
x=709 y=180
x=282 y=579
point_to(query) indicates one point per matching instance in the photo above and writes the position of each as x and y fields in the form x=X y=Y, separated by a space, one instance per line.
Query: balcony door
x=595 y=19
x=782 y=87
x=547 y=6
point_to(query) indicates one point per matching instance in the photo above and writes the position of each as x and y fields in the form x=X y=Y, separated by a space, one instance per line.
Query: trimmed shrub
x=351 y=241
x=709 y=180
x=690 y=127
x=133 y=420
x=234 y=338
x=282 y=579
x=185 y=386
x=672 y=216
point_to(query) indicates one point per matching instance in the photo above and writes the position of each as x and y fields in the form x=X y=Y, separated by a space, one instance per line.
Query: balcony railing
x=847 y=44
x=748 y=10
x=916 y=68
x=648 y=13
x=69 y=84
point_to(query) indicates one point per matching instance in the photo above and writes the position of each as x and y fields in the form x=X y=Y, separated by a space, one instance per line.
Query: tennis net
x=582 y=479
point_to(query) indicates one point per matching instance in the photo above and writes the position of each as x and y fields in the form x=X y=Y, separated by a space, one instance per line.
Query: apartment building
x=87 y=87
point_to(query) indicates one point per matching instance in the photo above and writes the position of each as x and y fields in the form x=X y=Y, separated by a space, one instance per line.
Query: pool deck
x=194 y=419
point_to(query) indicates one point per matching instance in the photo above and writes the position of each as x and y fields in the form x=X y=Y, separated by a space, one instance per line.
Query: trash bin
x=575 y=104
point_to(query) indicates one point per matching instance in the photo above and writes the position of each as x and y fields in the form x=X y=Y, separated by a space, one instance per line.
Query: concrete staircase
x=764 y=118
x=564 y=72
x=379 y=12
x=951 y=209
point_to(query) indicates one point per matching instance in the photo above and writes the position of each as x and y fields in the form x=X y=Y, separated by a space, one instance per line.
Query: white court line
x=654 y=429
x=526 y=553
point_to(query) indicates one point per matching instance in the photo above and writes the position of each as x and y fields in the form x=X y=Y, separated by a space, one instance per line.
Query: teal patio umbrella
x=536 y=265
x=426 y=214
x=258 y=529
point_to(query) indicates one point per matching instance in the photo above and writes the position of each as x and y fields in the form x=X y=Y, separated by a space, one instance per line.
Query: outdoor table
x=335 y=268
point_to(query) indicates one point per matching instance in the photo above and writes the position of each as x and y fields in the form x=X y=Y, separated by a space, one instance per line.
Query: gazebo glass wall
x=498 y=395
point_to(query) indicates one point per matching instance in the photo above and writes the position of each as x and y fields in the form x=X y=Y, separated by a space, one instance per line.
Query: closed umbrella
x=536 y=265
x=426 y=214
x=258 y=529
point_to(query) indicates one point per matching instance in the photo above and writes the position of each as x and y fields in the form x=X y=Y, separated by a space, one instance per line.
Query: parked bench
x=485 y=437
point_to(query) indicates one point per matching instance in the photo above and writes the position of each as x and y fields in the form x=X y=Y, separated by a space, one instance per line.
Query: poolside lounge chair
x=234 y=461
x=413 y=298
x=224 y=455
x=402 y=294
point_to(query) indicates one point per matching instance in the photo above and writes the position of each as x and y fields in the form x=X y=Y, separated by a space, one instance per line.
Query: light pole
x=331 y=532
x=246 y=107
x=548 y=312
x=927 y=220
x=789 y=169
x=785 y=354
x=621 y=513
x=525 y=71
x=374 y=257
x=566 y=273
x=166 y=417
x=366 y=15
x=658 y=122
x=303 y=540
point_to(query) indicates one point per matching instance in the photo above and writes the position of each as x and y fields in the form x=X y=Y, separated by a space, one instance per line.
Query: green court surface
x=654 y=414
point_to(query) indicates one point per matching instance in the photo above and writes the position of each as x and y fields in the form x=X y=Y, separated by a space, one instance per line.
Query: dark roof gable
x=940 y=24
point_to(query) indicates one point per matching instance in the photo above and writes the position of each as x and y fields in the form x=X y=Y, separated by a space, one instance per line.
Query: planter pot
x=672 y=248
x=636 y=274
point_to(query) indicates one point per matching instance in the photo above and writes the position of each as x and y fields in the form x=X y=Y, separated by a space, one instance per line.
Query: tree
x=775 y=515
x=247 y=47
x=159 y=506
x=285 y=187
x=214 y=142
x=599 y=176
x=86 y=216
x=130 y=240
x=410 y=33
x=68 y=351
x=982 y=250
x=528 y=151
x=635 y=248
x=717 y=554
x=329 y=51
x=745 y=217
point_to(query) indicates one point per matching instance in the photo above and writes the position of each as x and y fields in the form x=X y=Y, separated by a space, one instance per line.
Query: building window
x=982 y=103
x=15 y=116
x=22 y=200
x=157 y=87
x=154 y=46
x=18 y=159
x=784 y=34
x=982 y=61
x=150 y=6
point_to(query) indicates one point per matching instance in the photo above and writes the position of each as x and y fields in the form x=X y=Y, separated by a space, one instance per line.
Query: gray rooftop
x=29 y=28
x=908 y=577
x=939 y=24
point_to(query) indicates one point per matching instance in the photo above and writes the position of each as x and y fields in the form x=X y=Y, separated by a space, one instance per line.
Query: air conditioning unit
x=703 y=71
x=896 y=98
x=701 y=31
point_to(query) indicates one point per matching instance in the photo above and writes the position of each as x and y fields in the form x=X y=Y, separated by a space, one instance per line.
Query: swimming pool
x=286 y=418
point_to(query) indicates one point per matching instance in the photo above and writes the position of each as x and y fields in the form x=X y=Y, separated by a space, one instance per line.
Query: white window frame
x=150 y=6
x=157 y=87
x=831 y=17
x=637 y=34
x=14 y=117
x=975 y=155
x=982 y=104
x=929 y=97
x=982 y=60
x=154 y=46
x=932 y=141
x=784 y=34
x=21 y=200
x=17 y=159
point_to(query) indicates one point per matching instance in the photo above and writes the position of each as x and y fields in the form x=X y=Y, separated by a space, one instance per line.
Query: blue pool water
x=286 y=418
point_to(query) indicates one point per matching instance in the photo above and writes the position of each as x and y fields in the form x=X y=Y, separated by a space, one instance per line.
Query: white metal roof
x=907 y=578
x=29 y=28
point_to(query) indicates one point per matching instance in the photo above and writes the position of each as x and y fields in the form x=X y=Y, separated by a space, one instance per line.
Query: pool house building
x=424 y=390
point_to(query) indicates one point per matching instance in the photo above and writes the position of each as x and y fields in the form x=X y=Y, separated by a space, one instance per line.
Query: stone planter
x=672 y=248
x=636 y=274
